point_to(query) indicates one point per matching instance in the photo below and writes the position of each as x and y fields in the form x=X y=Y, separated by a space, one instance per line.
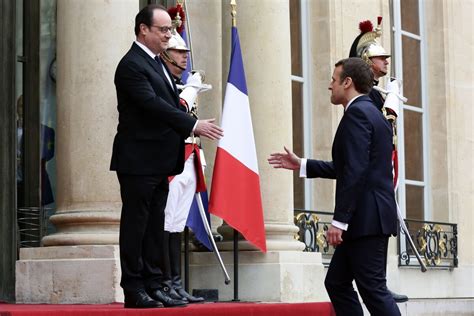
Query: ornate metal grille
x=313 y=226
x=436 y=241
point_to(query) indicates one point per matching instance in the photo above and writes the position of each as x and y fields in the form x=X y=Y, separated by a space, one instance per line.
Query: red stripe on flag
x=235 y=197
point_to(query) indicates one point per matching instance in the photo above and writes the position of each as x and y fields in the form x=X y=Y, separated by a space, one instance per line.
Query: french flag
x=235 y=193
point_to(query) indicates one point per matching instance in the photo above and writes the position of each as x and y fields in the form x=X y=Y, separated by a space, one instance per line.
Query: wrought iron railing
x=435 y=241
x=313 y=226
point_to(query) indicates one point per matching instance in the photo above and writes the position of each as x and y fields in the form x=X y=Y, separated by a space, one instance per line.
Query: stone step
x=436 y=307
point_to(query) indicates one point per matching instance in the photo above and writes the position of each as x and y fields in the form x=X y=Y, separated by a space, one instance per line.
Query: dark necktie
x=158 y=60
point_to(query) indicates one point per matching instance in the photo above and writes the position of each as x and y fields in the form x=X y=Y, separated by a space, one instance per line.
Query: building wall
x=86 y=118
x=459 y=84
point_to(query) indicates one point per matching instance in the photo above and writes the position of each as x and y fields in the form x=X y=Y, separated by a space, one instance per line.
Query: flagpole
x=233 y=13
x=187 y=26
x=198 y=198
x=209 y=233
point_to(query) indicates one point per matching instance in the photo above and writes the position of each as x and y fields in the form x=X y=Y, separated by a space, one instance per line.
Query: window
x=409 y=64
x=302 y=140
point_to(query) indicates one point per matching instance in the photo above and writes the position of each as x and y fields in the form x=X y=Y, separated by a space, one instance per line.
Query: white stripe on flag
x=238 y=138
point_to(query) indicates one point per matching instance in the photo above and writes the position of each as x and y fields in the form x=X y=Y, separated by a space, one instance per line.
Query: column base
x=69 y=275
x=84 y=227
x=277 y=276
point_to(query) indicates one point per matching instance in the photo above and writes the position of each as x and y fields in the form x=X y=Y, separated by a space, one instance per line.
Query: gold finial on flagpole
x=233 y=12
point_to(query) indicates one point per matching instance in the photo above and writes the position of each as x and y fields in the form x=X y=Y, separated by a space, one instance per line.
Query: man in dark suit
x=365 y=210
x=148 y=147
x=367 y=47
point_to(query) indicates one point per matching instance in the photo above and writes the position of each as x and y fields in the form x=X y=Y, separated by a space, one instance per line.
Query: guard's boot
x=175 y=261
x=399 y=298
x=167 y=267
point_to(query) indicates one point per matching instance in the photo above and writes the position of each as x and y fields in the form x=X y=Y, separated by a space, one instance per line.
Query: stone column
x=81 y=263
x=284 y=273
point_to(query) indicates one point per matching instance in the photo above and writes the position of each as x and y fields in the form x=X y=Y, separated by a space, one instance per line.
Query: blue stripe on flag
x=237 y=74
x=195 y=222
x=185 y=75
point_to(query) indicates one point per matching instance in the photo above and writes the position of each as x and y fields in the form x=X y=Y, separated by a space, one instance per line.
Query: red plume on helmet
x=366 y=26
x=174 y=12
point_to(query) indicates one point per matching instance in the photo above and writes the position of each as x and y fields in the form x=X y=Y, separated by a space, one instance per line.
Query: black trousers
x=363 y=260
x=142 y=231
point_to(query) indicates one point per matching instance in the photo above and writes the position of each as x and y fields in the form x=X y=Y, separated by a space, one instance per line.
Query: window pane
x=298 y=183
x=295 y=29
x=409 y=12
x=415 y=204
x=411 y=71
x=413 y=145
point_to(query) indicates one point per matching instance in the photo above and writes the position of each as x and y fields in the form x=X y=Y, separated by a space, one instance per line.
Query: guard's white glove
x=192 y=87
x=393 y=96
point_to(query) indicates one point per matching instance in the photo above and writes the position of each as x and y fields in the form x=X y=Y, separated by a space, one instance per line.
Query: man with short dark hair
x=365 y=212
x=148 y=147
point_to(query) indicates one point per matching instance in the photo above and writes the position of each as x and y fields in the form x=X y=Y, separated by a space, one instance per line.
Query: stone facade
x=88 y=194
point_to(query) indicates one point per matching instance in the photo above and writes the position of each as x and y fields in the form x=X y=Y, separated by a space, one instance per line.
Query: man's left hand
x=334 y=236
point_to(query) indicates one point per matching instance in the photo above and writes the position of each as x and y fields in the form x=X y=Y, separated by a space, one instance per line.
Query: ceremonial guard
x=183 y=187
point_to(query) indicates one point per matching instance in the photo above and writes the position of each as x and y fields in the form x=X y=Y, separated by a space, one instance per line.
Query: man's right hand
x=208 y=129
x=287 y=160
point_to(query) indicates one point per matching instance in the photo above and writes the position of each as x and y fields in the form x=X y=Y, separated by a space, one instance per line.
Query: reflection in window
x=413 y=145
x=48 y=103
x=415 y=204
x=410 y=16
x=295 y=29
x=298 y=137
x=411 y=70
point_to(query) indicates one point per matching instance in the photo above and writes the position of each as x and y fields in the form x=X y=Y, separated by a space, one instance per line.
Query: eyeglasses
x=163 y=29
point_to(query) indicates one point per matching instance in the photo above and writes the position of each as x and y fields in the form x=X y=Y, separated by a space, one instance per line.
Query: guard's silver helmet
x=365 y=45
x=177 y=42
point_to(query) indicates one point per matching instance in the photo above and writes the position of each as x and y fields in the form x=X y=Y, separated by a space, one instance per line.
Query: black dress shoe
x=399 y=298
x=140 y=299
x=174 y=295
x=161 y=295
x=190 y=298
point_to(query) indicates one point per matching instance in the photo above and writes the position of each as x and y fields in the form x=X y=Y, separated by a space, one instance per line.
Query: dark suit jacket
x=362 y=167
x=151 y=130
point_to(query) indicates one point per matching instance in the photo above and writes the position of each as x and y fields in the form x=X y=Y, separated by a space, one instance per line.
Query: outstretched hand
x=208 y=129
x=287 y=160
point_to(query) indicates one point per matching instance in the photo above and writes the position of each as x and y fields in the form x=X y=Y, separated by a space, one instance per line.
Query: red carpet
x=207 y=309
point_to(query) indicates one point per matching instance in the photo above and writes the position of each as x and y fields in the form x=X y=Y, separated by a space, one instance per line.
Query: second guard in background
x=365 y=46
x=183 y=187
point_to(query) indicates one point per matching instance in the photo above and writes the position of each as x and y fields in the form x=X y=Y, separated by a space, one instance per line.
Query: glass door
x=36 y=117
